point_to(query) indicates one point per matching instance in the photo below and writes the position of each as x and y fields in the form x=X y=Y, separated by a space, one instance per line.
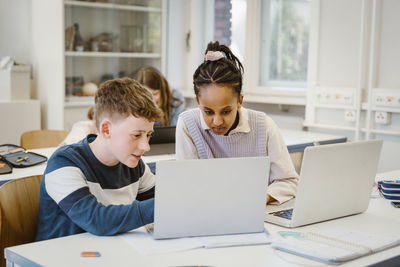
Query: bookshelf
x=90 y=42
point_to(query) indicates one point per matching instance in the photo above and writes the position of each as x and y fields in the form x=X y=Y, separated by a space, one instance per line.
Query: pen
x=21 y=159
x=90 y=254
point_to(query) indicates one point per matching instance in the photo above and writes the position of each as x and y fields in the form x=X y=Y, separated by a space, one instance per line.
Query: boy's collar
x=242 y=127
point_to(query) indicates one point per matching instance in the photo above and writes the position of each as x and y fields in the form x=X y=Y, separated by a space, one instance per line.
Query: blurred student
x=81 y=129
x=170 y=101
x=100 y=184
x=221 y=128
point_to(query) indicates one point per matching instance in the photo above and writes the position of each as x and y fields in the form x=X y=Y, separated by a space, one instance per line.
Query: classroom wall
x=358 y=55
x=15 y=31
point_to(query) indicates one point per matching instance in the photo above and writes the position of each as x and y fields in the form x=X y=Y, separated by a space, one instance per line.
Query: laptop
x=210 y=197
x=162 y=142
x=163 y=135
x=335 y=181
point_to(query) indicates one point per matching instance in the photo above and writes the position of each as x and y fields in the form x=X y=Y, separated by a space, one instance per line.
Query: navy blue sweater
x=78 y=193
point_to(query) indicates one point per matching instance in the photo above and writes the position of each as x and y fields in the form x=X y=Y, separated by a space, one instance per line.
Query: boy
x=100 y=184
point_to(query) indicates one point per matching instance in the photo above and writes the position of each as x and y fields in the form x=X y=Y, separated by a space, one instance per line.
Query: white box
x=15 y=83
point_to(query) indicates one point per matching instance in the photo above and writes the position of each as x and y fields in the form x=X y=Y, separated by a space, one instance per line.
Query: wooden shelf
x=111 y=54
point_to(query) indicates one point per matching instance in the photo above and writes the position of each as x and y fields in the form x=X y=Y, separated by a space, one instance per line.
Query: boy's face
x=129 y=139
x=219 y=105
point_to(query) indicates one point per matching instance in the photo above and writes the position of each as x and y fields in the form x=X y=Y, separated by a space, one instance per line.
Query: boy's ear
x=197 y=99
x=240 y=102
x=105 y=128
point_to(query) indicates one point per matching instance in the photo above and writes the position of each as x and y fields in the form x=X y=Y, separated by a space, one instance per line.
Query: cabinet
x=77 y=42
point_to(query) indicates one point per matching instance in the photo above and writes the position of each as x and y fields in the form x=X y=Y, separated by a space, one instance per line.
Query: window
x=284 y=44
x=230 y=25
x=270 y=38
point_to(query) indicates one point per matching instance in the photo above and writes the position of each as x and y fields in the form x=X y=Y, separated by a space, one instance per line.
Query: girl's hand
x=270 y=199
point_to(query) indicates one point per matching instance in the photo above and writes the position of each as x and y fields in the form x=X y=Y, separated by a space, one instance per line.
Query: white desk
x=380 y=218
x=297 y=141
x=28 y=171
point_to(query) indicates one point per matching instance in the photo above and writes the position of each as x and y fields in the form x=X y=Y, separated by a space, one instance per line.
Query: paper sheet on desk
x=144 y=243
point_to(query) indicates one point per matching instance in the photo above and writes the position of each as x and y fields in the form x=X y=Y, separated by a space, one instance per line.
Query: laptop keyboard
x=287 y=214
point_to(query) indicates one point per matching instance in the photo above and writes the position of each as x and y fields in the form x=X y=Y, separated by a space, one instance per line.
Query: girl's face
x=156 y=96
x=219 y=105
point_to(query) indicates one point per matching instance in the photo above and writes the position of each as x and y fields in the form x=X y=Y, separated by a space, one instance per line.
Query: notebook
x=210 y=197
x=335 y=181
x=336 y=245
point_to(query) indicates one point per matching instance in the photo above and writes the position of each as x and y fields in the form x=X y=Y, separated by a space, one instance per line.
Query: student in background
x=81 y=129
x=170 y=101
x=220 y=127
x=100 y=184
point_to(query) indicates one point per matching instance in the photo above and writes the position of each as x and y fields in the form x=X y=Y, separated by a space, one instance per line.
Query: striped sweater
x=78 y=193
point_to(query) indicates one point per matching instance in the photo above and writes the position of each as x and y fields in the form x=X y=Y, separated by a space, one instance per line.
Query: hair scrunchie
x=214 y=55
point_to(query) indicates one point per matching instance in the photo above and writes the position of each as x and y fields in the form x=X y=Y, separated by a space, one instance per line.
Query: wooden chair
x=19 y=203
x=42 y=138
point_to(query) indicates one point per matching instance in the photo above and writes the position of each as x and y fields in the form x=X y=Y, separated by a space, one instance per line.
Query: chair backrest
x=42 y=138
x=19 y=204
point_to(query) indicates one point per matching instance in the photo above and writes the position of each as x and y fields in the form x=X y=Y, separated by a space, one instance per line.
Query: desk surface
x=295 y=140
x=28 y=171
x=380 y=218
x=39 y=169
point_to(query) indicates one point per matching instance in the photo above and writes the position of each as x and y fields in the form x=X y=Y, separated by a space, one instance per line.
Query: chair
x=19 y=204
x=42 y=138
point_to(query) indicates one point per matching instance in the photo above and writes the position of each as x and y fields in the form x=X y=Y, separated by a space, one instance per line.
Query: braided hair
x=226 y=70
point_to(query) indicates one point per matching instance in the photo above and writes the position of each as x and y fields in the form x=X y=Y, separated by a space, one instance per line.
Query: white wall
x=16 y=32
x=176 y=43
x=15 y=29
x=356 y=52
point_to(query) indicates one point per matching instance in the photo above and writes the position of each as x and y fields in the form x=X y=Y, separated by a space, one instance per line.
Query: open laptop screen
x=163 y=135
x=210 y=196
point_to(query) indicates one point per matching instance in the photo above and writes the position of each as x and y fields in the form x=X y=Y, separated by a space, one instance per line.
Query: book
x=334 y=246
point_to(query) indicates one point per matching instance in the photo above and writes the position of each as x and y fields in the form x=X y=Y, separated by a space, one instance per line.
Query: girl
x=170 y=101
x=220 y=127
x=81 y=129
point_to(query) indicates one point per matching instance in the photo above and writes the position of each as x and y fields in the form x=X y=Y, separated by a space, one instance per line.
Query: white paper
x=235 y=240
x=145 y=244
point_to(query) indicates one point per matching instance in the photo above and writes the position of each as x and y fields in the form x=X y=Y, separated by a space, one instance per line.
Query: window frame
x=200 y=23
x=252 y=87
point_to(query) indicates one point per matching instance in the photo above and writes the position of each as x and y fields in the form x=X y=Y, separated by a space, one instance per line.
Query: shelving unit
x=112 y=54
x=118 y=37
